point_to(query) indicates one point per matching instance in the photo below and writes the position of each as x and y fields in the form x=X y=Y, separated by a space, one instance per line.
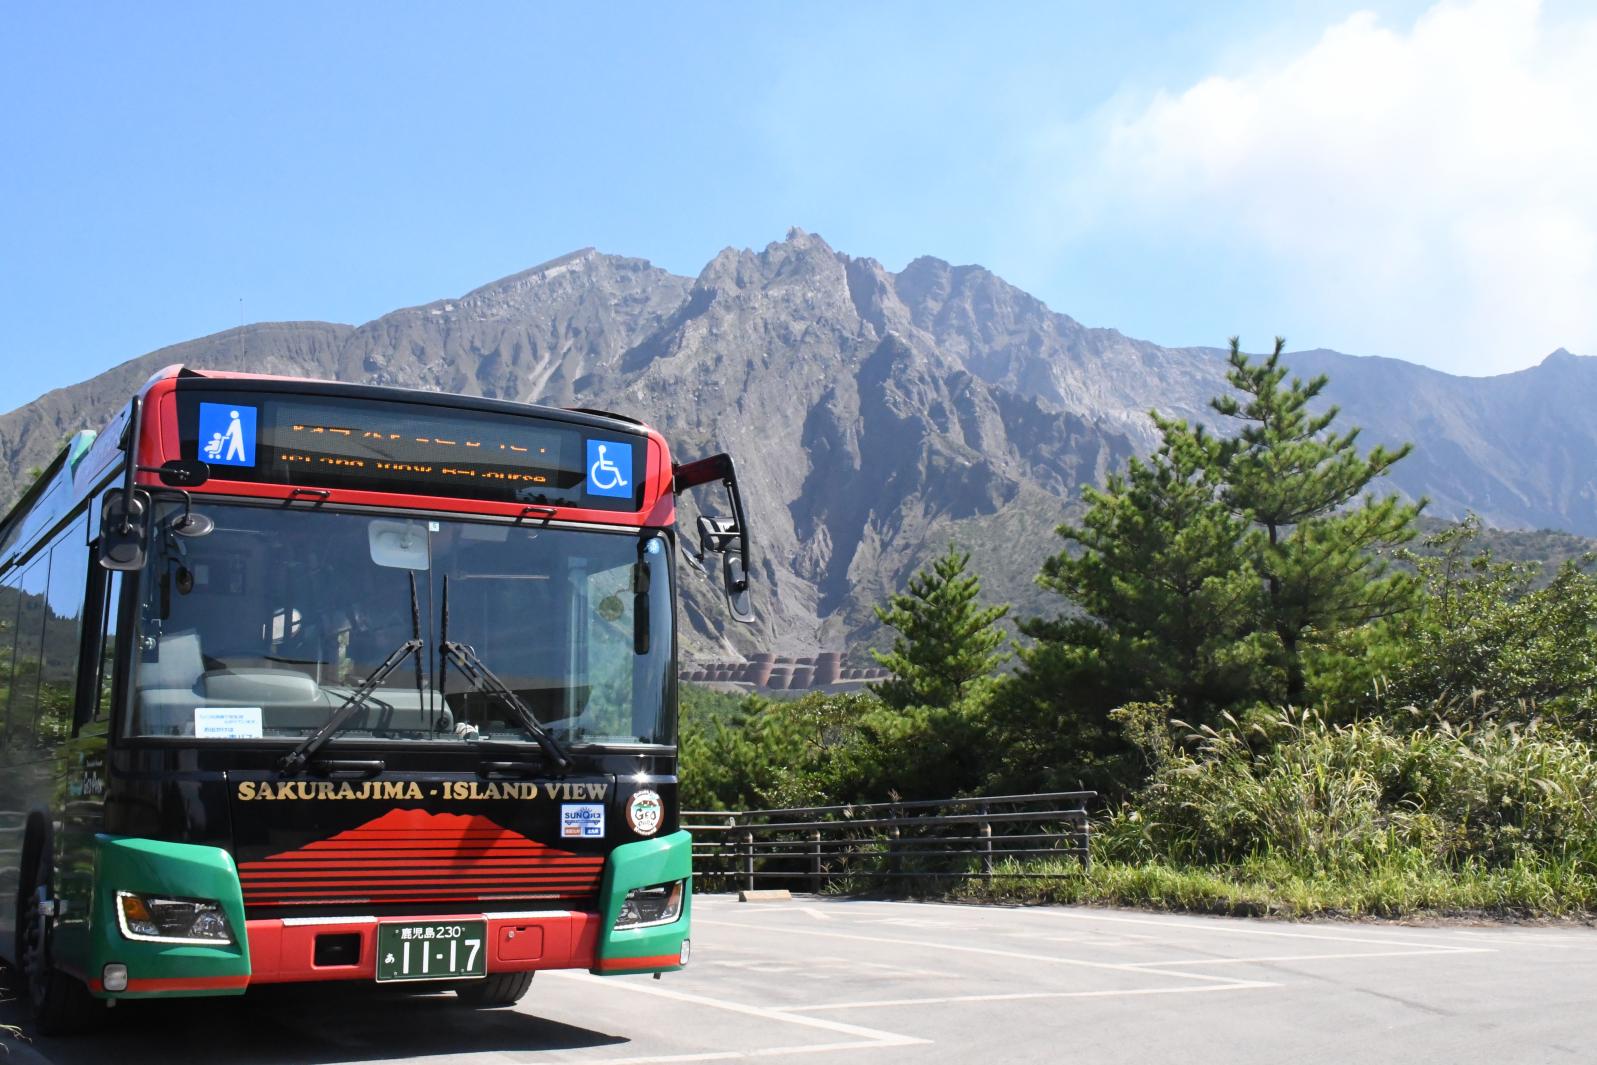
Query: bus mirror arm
x=130 y=453
x=125 y=511
x=728 y=537
x=190 y=523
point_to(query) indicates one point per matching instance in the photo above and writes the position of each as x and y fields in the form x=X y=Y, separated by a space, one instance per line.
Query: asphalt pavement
x=829 y=980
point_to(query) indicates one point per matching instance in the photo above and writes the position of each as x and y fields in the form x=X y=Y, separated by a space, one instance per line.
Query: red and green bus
x=306 y=681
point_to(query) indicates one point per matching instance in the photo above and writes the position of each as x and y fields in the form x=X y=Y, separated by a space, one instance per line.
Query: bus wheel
x=500 y=989
x=61 y=1005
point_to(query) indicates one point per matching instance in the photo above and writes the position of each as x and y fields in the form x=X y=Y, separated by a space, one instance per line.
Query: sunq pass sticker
x=582 y=820
x=645 y=812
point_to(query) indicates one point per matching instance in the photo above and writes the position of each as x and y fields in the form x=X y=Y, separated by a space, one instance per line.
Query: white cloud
x=1428 y=191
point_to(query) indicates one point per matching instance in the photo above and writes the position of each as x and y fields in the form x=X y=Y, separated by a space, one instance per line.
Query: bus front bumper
x=285 y=950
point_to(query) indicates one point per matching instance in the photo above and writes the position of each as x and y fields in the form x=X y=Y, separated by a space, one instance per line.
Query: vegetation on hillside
x=1284 y=707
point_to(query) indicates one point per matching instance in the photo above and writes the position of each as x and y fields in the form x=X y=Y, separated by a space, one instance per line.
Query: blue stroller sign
x=227 y=434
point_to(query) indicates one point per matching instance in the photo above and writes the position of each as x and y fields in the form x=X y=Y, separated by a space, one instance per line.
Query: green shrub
x=1340 y=798
x=1492 y=640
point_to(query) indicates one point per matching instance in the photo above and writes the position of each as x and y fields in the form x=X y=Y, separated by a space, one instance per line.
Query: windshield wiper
x=295 y=760
x=300 y=756
x=483 y=679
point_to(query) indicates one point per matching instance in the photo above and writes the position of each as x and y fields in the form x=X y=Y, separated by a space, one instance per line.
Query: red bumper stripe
x=181 y=983
x=657 y=961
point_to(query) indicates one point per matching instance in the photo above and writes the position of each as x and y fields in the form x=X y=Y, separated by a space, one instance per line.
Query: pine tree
x=946 y=640
x=1168 y=595
x=1318 y=556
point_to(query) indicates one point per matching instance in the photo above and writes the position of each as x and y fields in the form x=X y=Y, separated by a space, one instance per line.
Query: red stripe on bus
x=657 y=961
x=335 y=869
x=497 y=896
x=180 y=983
x=423 y=860
x=424 y=882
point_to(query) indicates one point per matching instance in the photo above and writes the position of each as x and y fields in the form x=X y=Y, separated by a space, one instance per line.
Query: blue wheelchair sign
x=227 y=434
x=609 y=469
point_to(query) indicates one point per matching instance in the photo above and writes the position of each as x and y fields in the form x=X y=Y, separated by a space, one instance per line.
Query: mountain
x=875 y=415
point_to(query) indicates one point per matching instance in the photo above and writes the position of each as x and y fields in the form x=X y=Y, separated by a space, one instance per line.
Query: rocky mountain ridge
x=875 y=415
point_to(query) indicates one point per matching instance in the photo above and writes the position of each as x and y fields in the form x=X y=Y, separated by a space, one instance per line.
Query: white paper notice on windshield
x=227 y=722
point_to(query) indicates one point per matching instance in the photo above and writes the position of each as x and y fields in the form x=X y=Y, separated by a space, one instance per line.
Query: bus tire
x=500 y=989
x=61 y=1005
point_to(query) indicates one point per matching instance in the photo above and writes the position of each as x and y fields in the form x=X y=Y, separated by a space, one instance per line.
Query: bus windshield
x=259 y=622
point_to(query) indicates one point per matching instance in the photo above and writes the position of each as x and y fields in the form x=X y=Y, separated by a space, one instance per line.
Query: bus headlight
x=157 y=919
x=646 y=906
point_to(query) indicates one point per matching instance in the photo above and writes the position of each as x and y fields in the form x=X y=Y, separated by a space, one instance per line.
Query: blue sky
x=1410 y=180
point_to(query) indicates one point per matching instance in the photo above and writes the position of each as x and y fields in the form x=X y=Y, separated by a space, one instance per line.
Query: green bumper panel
x=150 y=867
x=635 y=865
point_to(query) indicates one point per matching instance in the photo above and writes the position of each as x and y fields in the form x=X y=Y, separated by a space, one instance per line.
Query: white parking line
x=1240 y=985
x=1236 y=930
x=1428 y=953
x=1555 y=941
x=742 y=1055
x=1051 y=959
x=865 y=1038
x=1227 y=926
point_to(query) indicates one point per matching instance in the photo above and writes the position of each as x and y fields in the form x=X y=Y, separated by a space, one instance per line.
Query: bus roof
x=82 y=466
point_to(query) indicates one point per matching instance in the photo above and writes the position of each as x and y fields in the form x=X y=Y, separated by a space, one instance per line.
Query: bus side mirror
x=736 y=579
x=124 y=530
x=727 y=537
x=183 y=473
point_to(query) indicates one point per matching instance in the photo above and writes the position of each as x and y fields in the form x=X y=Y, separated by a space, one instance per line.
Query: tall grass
x=1286 y=814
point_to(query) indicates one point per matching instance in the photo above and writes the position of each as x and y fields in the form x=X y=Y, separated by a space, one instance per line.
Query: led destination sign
x=385 y=446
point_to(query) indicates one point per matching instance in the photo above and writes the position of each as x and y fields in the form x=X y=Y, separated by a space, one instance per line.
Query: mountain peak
x=875 y=415
x=802 y=241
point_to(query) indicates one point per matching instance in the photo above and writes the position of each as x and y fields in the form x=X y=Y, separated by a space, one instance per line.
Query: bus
x=306 y=681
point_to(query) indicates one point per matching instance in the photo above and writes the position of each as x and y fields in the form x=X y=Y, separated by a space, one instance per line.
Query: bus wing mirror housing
x=727 y=537
x=124 y=530
x=183 y=473
x=716 y=535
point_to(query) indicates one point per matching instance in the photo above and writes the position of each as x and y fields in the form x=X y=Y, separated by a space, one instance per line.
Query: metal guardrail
x=892 y=841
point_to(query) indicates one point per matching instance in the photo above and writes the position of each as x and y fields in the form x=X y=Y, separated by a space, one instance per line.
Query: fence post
x=894 y=859
x=985 y=830
x=1086 y=840
x=748 y=855
x=815 y=860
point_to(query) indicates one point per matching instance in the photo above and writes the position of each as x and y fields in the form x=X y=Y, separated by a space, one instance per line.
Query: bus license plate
x=437 y=950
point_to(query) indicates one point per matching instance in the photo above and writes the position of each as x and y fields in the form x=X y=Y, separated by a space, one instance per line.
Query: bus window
x=10 y=600
x=609 y=615
x=69 y=562
x=289 y=612
x=30 y=648
x=106 y=674
x=622 y=649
